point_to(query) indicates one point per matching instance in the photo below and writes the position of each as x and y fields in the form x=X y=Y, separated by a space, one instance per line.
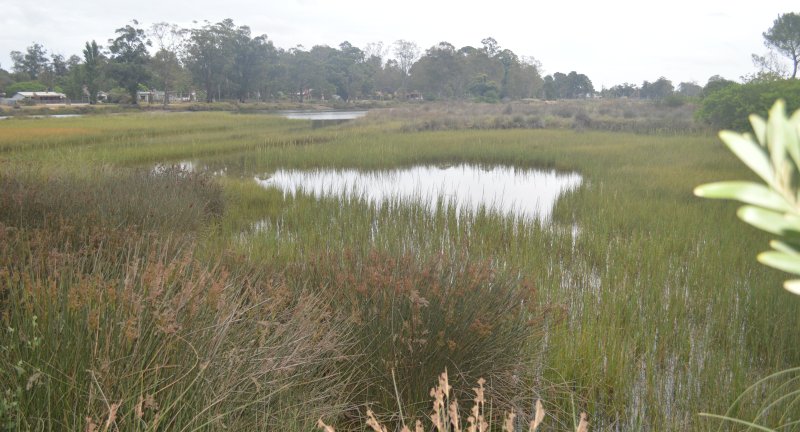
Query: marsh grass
x=153 y=339
x=614 y=115
x=769 y=404
x=651 y=313
x=111 y=318
x=168 y=199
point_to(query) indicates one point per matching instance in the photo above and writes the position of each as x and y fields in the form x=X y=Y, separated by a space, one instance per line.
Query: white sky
x=611 y=41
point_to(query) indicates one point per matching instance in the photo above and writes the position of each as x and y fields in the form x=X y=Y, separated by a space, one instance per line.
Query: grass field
x=145 y=299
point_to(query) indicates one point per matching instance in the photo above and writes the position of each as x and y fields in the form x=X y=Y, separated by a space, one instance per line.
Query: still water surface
x=511 y=191
x=42 y=116
x=323 y=115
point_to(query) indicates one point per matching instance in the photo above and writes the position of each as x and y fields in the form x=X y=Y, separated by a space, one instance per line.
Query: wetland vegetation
x=163 y=298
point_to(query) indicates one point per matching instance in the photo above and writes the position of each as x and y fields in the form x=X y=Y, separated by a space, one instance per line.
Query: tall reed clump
x=164 y=199
x=413 y=316
x=111 y=326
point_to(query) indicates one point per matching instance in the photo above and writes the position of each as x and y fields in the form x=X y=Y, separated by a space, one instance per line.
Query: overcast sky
x=611 y=41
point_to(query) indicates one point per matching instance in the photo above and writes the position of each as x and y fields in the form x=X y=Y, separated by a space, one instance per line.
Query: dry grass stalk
x=90 y=425
x=112 y=416
x=417 y=427
x=373 y=422
x=145 y=403
x=538 y=418
x=583 y=426
x=324 y=427
x=453 y=414
x=439 y=394
x=446 y=418
x=508 y=425
x=477 y=422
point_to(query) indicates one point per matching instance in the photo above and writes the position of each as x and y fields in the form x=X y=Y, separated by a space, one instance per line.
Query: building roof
x=41 y=94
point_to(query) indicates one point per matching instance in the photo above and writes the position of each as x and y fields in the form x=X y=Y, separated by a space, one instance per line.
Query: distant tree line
x=225 y=61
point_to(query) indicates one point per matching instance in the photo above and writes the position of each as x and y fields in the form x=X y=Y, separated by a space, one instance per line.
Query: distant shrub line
x=730 y=106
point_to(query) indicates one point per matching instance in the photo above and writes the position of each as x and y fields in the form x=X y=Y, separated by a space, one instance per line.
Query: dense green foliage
x=729 y=106
x=223 y=61
x=26 y=86
x=567 y=86
x=129 y=58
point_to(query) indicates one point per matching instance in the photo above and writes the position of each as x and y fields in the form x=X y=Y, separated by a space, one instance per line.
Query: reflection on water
x=323 y=115
x=521 y=192
x=189 y=166
x=41 y=116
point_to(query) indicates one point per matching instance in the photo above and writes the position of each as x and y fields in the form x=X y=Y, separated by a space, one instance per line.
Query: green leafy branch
x=773 y=153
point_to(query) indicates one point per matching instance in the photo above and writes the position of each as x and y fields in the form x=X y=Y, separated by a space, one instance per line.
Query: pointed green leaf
x=759 y=128
x=770 y=221
x=789 y=247
x=795 y=119
x=793 y=286
x=776 y=132
x=747 y=192
x=792 y=136
x=750 y=153
x=781 y=261
x=781 y=136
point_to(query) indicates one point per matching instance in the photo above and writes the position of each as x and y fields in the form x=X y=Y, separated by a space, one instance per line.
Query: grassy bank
x=22 y=111
x=217 y=302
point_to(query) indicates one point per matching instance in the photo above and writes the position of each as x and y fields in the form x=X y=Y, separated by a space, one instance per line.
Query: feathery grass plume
x=538 y=418
x=112 y=416
x=452 y=413
x=91 y=426
x=324 y=427
x=439 y=415
x=583 y=425
x=373 y=422
x=477 y=421
x=508 y=424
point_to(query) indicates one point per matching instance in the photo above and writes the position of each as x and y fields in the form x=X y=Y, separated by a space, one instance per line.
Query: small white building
x=40 y=97
x=157 y=96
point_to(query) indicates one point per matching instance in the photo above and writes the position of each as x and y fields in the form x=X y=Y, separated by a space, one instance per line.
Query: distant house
x=40 y=97
x=157 y=96
x=145 y=96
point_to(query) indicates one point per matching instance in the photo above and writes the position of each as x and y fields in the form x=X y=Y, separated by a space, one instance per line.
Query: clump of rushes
x=445 y=415
x=151 y=338
x=109 y=324
x=168 y=198
x=413 y=315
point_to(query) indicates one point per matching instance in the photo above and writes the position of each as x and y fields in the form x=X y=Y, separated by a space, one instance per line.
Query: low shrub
x=730 y=106
x=414 y=316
